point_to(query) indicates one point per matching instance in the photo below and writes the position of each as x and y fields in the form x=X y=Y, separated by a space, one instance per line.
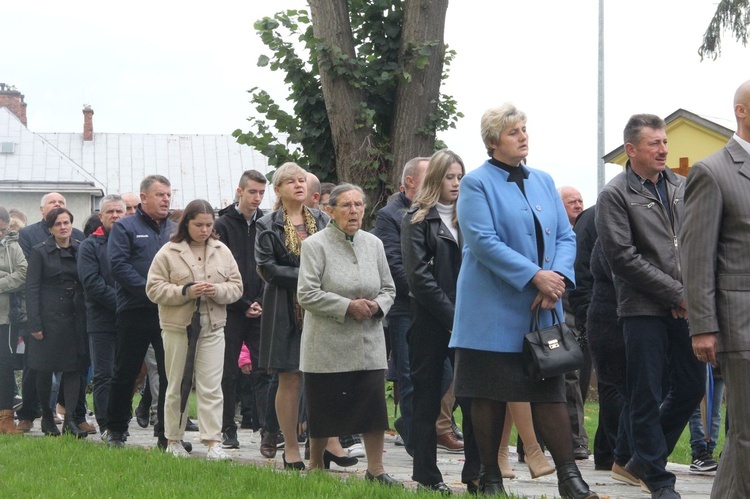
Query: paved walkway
x=398 y=464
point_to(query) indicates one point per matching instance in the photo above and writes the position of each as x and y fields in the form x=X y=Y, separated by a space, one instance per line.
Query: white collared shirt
x=745 y=144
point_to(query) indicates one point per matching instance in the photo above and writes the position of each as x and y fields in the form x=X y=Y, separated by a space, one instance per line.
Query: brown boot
x=7 y=426
x=504 y=463
x=537 y=461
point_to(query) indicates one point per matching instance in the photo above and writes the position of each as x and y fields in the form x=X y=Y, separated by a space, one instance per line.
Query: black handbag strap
x=534 y=326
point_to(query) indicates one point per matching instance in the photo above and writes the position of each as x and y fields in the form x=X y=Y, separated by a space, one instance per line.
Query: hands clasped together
x=551 y=286
x=362 y=309
x=201 y=288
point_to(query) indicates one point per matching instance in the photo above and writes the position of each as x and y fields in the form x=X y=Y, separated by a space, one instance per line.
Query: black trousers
x=427 y=354
x=136 y=329
x=237 y=330
x=31 y=408
x=610 y=408
x=7 y=374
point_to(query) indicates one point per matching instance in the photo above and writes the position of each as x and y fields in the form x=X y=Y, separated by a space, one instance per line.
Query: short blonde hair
x=283 y=173
x=495 y=120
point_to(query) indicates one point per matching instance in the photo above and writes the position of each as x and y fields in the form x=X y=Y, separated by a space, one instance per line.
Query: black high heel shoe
x=342 y=461
x=298 y=465
x=70 y=427
x=49 y=427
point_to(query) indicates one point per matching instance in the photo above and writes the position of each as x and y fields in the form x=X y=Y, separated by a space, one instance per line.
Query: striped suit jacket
x=715 y=243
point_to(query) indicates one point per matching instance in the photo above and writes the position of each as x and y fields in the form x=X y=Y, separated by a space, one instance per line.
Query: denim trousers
x=398 y=326
x=698 y=440
x=657 y=347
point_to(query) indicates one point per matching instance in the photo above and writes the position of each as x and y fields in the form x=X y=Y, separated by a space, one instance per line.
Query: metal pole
x=600 y=105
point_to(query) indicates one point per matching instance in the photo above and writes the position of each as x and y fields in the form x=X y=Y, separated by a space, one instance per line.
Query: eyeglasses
x=357 y=205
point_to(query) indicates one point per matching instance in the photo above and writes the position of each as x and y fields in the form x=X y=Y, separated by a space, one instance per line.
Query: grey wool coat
x=333 y=272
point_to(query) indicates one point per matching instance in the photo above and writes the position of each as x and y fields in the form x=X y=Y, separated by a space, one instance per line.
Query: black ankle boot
x=49 y=427
x=491 y=481
x=71 y=428
x=571 y=485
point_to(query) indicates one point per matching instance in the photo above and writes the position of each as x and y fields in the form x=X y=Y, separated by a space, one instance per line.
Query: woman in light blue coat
x=518 y=253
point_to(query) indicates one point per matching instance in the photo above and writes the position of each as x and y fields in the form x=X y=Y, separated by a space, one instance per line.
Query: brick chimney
x=88 y=123
x=13 y=100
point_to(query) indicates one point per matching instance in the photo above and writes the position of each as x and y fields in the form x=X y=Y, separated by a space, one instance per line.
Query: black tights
x=550 y=420
x=70 y=384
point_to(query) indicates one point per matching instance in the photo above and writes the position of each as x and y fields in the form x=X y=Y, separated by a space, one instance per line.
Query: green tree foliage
x=383 y=61
x=733 y=15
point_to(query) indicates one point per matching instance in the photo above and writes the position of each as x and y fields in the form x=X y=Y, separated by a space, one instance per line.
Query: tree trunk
x=331 y=24
x=412 y=133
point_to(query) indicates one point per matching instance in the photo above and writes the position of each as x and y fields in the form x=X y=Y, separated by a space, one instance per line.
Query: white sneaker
x=176 y=449
x=356 y=450
x=216 y=453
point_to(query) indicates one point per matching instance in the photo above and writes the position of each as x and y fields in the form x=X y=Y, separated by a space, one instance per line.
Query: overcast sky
x=185 y=67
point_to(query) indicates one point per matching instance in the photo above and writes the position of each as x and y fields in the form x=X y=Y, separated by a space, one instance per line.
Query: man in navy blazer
x=716 y=234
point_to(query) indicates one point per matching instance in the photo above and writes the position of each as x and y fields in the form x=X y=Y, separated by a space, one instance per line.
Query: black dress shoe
x=472 y=488
x=268 y=445
x=491 y=481
x=49 y=427
x=162 y=442
x=570 y=484
x=191 y=426
x=71 y=428
x=342 y=461
x=297 y=465
x=384 y=479
x=115 y=438
x=142 y=417
x=440 y=488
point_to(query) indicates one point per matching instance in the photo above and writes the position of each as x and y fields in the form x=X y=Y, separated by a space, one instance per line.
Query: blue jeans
x=103 y=346
x=698 y=442
x=655 y=347
x=397 y=328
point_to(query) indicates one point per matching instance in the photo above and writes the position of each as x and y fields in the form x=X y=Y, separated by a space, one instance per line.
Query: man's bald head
x=131 y=202
x=50 y=201
x=573 y=201
x=742 y=110
x=313 y=191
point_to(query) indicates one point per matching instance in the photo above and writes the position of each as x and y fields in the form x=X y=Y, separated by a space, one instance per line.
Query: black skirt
x=499 y=376
x=345 y=403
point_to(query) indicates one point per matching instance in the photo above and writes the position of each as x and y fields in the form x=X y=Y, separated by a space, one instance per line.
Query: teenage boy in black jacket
x=236 y=228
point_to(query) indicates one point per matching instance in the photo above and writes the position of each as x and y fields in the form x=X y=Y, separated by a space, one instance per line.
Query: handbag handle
x=534 y=326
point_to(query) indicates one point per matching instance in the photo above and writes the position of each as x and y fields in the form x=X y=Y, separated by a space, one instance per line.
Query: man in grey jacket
x=638 y=220
x=716 y=234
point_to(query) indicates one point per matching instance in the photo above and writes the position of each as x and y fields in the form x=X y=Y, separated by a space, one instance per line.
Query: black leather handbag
x=551 y=351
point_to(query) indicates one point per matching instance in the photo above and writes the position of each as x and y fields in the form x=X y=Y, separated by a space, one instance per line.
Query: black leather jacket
x=432 y=259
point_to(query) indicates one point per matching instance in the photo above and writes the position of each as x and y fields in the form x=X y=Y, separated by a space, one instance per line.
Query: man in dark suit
x=716 y=234
x=28 y=237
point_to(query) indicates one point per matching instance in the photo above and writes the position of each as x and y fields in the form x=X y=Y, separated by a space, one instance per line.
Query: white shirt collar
x=745 y=144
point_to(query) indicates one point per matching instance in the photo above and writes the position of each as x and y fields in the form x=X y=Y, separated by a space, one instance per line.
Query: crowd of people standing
x=452 y=274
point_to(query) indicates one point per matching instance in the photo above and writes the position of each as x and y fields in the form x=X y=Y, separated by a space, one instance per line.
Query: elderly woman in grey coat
x=346 y=288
